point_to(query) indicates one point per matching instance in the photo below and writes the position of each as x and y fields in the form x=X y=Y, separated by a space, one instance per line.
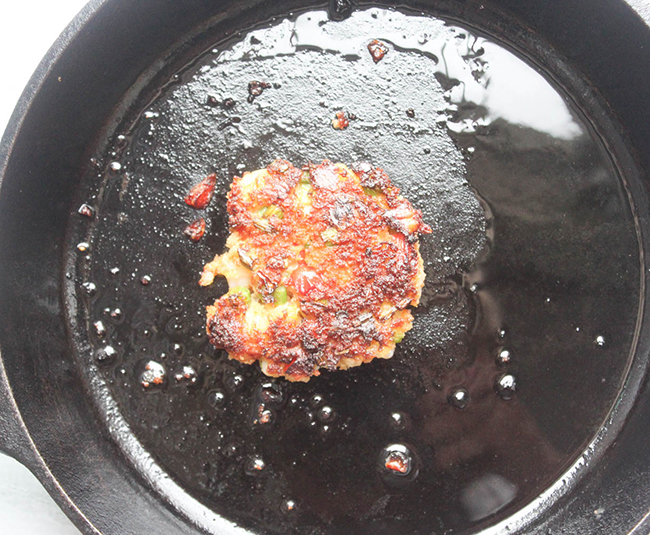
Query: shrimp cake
x=322 y=263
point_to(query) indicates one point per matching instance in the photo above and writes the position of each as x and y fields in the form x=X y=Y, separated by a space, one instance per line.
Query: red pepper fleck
x=195 y=230
x=200 y=195
x=397 y=464
x=304 y=280
x=340 y=122
x=377 y=50
x=255 y=89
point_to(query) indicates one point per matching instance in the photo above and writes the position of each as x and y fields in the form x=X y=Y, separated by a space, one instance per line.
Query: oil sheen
x=522 y=339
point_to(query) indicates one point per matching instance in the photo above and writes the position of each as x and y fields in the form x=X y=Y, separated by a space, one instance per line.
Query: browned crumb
x=256 y=88
x=377 y=50
x=340 y=122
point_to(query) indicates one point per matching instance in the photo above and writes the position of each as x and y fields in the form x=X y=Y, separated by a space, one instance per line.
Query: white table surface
x=27 y=30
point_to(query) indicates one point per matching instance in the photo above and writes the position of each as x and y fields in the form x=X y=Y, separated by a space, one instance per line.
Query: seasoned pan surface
x=525 y=333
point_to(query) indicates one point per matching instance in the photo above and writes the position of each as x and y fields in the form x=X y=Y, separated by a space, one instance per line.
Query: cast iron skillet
x=48 y=421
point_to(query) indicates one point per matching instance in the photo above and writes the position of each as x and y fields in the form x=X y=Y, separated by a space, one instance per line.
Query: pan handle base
x=14 y=439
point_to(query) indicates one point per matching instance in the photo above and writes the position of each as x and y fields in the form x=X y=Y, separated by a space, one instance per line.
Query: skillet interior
x=556 y=196
x=62 y=357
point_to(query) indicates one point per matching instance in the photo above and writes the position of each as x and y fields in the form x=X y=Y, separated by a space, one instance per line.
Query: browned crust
x=351 y=256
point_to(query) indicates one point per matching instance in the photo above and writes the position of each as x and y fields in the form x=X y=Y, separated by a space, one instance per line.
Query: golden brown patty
x=321 y=262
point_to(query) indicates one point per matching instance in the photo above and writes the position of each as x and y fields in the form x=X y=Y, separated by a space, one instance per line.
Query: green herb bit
x=274 y=211
x=243 y=291
x=398 y=337
x=372 y=192
x=304 y=178
x=267 y=212
x=280 y=295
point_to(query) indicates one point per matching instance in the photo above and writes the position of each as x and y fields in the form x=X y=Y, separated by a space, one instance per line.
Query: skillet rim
x=17 y=438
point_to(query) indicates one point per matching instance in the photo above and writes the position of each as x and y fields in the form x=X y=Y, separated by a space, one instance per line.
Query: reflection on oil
x=487 y=495
x=483 y=81
x=491 y=83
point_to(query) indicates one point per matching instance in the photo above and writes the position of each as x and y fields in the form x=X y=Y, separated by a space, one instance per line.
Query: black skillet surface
x=558 y=270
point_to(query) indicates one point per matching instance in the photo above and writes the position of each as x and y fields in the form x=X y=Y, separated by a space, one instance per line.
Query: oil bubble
x=153 y=375
x=398 y=420
x=599 y=341
x=506 y=385
x=263 y=416
x=255 y=465
x=234 y=383
x=397 y=464
x=106 y=355
x=187 y=375
x=503 y=357
x=146 y=280
x=316 y=401
x=89 y=288
x=116 y=315
x=459 y=398
x=288 y=506
x=115 y=167
x=83 y=246
x=85 y=210
x=340 y=9
x=326 y=414
x=231 y=449
x=216 y=399
x=174 y=326
x=271 y=394
x=100 y=329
